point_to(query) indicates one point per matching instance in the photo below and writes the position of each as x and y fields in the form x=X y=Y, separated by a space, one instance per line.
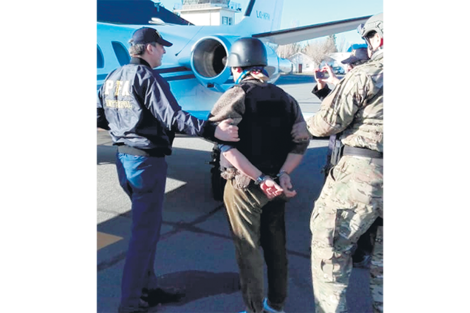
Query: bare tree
x=320 y=49
x=332 y=38
x=286 y=51
x=342 y=44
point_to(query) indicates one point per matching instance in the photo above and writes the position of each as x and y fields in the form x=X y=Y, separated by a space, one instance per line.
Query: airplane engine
x=208 y=57
x=285 y=66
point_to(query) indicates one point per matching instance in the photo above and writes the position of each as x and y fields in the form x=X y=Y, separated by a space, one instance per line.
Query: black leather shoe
x=156 y=296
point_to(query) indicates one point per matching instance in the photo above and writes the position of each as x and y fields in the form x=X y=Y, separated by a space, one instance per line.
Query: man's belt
x=135 y=151
x=363 y=152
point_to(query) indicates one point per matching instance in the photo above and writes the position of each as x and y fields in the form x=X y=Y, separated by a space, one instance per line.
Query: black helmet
x=247 y=51
x=374 y=23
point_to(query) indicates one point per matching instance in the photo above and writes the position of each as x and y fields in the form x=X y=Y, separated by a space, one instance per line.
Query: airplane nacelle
x=276 y=65
x=285 y=66
x=208 y=58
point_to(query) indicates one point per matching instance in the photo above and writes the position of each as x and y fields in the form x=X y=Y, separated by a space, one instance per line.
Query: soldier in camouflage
x=352 y=197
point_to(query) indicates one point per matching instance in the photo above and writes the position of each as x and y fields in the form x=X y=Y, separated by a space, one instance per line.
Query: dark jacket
x=135 y=103
x=322 y=93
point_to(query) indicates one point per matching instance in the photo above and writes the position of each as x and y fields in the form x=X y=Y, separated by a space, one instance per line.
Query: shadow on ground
x=200 y=284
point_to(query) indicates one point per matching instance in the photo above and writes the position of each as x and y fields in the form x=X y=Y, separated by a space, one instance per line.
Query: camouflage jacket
x=354 y=107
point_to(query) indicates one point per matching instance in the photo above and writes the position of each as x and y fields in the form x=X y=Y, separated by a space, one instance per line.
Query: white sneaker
x=269 y=309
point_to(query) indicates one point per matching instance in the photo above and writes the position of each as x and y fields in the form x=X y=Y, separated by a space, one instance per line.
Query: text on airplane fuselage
x=263 y=15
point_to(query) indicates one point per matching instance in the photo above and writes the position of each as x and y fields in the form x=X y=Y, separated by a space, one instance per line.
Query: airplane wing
x=291 y=35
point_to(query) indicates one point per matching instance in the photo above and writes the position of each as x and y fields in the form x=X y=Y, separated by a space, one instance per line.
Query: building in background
x=208 y=12
x=301 y=63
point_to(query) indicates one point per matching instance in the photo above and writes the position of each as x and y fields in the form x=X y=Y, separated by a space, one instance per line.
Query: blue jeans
x=143 y=179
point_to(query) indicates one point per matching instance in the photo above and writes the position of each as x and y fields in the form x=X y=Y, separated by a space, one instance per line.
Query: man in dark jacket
x=137 y=107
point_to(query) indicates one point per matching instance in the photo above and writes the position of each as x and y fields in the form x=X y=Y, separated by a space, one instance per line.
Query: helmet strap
x=242 y=75
x=369 y=46
x=367 y=40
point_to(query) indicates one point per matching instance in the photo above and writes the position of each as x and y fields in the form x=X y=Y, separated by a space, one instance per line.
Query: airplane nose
x=285 y=66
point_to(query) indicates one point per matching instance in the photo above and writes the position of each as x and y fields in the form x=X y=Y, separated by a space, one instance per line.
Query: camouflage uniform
x=352 y=197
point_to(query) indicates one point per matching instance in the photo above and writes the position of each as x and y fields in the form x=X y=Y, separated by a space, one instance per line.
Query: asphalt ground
x=195 y=253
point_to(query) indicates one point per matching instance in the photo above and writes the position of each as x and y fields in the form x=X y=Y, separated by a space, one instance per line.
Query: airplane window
x=121 y=53
x=100 y=61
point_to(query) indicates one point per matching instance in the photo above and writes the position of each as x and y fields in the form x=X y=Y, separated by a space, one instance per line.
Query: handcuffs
x=261 y=178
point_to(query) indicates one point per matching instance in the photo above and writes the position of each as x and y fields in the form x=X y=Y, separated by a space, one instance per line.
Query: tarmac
x=195 y=253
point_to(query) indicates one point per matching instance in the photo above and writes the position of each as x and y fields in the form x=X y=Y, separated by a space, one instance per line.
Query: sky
x=307 y=12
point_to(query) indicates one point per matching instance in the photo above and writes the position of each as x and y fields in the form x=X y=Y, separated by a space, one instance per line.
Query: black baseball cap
x=356 y=56
x=148 y=35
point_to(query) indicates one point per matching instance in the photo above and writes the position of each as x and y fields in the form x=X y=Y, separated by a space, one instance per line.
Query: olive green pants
x=257 y=222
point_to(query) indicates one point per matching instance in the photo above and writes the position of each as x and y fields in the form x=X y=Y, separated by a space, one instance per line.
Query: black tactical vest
x=265 y=130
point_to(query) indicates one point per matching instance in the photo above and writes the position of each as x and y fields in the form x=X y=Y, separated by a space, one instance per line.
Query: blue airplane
x=195 y=65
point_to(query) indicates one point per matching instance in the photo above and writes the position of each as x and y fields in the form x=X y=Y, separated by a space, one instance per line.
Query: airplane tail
x=262 y=16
